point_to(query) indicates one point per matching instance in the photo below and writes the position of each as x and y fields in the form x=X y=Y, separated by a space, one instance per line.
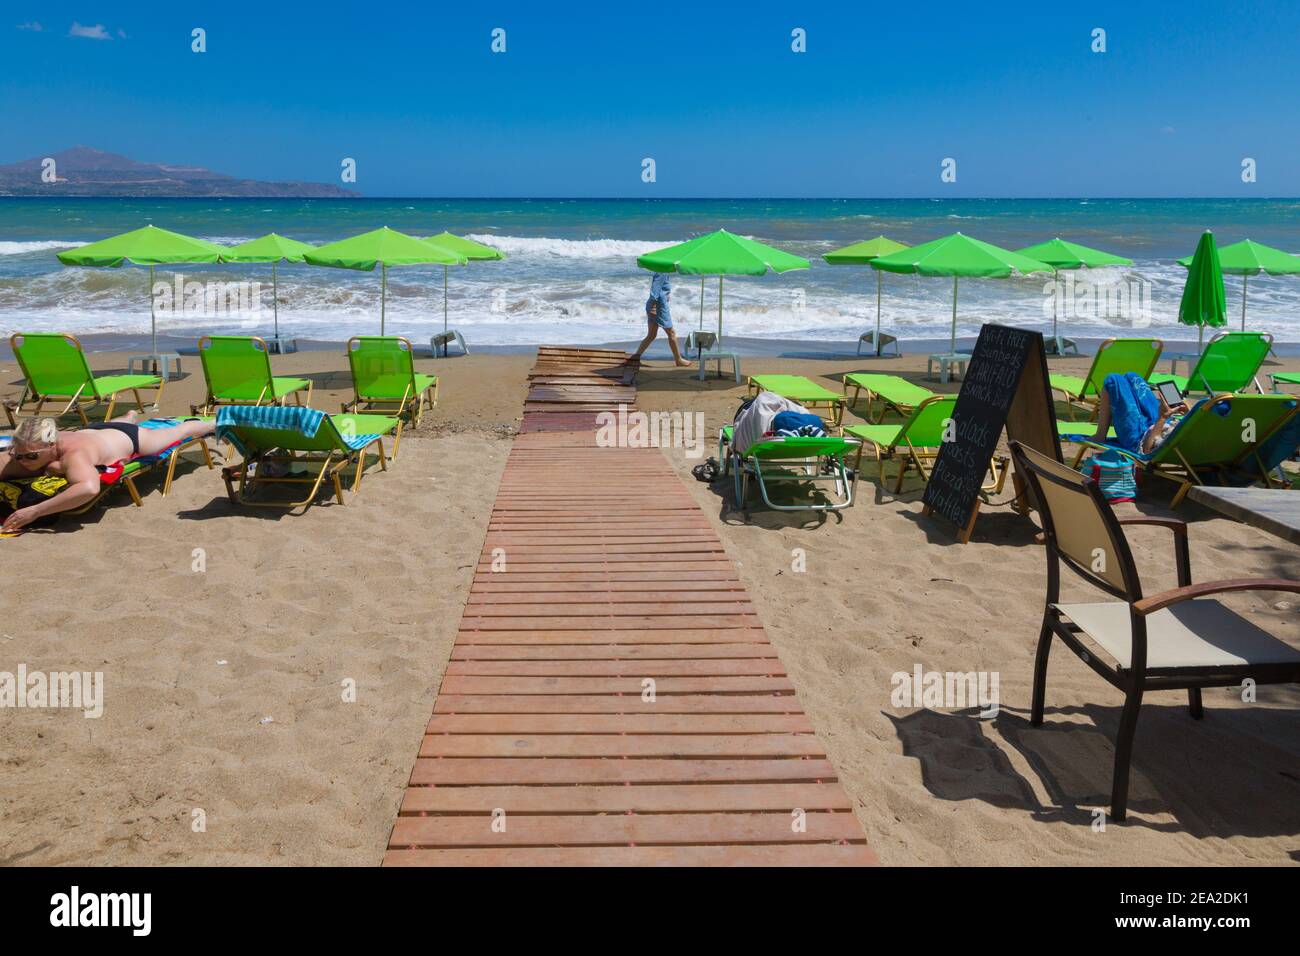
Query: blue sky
x=712 y=92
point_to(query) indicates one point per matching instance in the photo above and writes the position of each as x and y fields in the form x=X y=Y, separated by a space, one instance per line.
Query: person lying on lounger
x=1166 y=418
x=40 y=448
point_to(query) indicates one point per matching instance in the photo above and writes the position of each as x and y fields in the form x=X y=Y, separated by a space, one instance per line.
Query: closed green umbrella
x=959 y=256
x=1248 y=258
x=1203 y=301
x=861 y=253
x=274 y=249
x=148 y=246
x=1060 y=254
x=720 y=254
x=381 y=247
x=471 y=250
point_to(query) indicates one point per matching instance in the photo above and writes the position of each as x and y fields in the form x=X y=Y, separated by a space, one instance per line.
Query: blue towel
x=305 y=421
x=797 y=425
x=1134 y=408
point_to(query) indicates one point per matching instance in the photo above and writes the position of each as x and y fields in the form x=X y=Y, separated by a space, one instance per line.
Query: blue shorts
x=662 y=319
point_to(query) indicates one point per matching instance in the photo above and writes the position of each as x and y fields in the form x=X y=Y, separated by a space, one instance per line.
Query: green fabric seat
x=1114 y=357
x=799 y=389
x=1079 y=428
x=914 y=443
x=1218 y=437
x=801 y=460
x=1230 y=363
x=384 y=379
x=1287 y=379
x=333 y=447
x=56 y=370
x=237 y=369
x=894 y=392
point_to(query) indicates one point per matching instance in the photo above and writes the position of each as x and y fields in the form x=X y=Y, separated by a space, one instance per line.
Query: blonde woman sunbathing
x=40 y=448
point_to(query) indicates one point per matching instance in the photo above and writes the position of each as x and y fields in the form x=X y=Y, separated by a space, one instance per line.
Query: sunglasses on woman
x=27 y=455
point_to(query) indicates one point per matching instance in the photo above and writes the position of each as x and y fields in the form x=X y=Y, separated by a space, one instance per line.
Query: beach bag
x=754 y=419
x=1115 y=474
x=19 y=493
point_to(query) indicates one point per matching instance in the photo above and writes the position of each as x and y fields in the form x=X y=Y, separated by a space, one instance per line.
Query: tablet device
x=1171 y=393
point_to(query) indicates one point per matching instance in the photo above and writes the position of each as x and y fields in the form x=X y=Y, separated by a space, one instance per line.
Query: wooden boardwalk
x=611 y=697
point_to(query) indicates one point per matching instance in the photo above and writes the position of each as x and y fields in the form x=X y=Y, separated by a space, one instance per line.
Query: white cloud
x=32 y=25
x=97 y=32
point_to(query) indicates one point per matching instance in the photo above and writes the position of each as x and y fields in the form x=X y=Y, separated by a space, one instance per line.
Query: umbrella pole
x=701 y=303
x=953 y=350
x=153 y=322
x=877 y=313
x=1056 y=298
x=275 y=302
x=444 y=299
x=1244 y=279
x=719 y=312
x=383 y=294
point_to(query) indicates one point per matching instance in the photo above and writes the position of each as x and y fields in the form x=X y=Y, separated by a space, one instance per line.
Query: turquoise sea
x=571 y=274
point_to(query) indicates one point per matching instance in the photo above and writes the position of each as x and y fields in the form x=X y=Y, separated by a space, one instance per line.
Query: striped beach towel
x=294 y=418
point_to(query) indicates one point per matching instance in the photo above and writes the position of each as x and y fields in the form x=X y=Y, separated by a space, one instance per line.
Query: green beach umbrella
x=1248 y=258
x=1203 y=301
x=720 y=254
x=381 y=247
x=959 y=256
x=148 y=246
x=1060 y=254
x=861 y=253
x=274 y=249
x=471 y=250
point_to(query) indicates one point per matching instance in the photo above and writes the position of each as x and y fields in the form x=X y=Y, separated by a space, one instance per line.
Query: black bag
x=19 y=493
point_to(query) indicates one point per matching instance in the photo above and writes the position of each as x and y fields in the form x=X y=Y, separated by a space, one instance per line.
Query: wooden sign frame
x=1029 y=417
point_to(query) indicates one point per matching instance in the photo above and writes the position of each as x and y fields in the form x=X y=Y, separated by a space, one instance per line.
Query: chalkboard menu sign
x=1005 y=386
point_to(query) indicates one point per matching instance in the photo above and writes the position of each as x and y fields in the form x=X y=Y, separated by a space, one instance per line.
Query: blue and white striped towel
x=305 y=421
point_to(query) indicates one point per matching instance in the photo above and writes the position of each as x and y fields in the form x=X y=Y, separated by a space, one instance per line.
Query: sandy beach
x=225 y=687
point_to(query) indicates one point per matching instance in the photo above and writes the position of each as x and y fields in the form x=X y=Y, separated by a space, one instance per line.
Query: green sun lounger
x=798 y=460
x=1288 y=382
x=238 y=372
x=803 y=390
x=915 y=443
x=384 y=380
x=56 y=370
x=1064 y=428
x=1114 y=357
x=1230 y=363
x=894 y=392
x=275 y=441
x=1217 y=438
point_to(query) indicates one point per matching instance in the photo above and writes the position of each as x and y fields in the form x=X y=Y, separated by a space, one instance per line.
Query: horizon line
x=562 y=198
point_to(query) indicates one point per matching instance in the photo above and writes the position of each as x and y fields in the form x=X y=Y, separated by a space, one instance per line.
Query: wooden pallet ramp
x=612 y=698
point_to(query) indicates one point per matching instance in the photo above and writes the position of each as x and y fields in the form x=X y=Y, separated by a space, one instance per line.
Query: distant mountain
x=82 y=171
